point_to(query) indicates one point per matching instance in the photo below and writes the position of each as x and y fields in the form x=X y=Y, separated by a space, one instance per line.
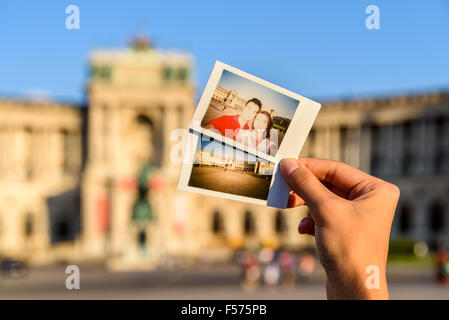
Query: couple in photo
x=252 y=127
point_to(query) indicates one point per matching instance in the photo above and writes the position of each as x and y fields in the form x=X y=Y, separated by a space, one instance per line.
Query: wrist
x=366 y=285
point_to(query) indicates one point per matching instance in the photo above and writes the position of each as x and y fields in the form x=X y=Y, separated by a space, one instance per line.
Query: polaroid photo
x=253 y=115
x=214 y=168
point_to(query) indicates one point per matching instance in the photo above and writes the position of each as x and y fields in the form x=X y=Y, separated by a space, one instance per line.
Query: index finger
x=339 y=174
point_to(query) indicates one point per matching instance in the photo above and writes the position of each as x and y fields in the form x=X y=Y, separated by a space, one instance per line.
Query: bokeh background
x=86 y=145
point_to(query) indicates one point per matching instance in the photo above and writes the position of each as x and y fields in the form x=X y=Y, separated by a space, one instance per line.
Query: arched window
x=249 y=225
x=280 y=223
x=29 y=225
x=404 y=218
x=217 y=223
x=149 y=138
x=436 y=217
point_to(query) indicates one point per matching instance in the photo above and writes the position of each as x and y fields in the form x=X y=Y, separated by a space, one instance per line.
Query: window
x=438 y=159
x=343 y=143
x=29 y=225
x=183 y=74
x=375 y=152
x=436 y=217
x=168 y=73
x=65 y=151
x=406 y=153
x=29 y=149
x=280 y=223
x=249 y=226
x=217 y=223
x=404 y=219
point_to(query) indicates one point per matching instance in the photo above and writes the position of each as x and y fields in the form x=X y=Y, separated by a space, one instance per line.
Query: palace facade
x=205 y=158
x=96 y=182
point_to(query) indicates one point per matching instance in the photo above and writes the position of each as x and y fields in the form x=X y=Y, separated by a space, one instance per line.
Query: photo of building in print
x=236 y=173
x=258 y=167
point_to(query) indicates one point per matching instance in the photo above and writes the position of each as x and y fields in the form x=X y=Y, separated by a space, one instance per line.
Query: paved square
x=229 y=181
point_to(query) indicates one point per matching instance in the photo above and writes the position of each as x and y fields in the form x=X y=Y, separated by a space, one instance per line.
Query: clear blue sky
x=247 y=89
x=320 y=49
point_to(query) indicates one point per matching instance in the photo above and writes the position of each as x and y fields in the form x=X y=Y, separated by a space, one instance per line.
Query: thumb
x=305 y=184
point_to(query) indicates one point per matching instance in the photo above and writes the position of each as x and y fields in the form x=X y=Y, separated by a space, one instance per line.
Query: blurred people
x=306 y=265
x=251 y=271
x=442 y=264
x=272 y=274
x=287 y=264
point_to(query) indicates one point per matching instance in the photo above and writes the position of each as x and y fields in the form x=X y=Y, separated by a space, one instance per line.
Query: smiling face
x=249 y=111
x=260 y=122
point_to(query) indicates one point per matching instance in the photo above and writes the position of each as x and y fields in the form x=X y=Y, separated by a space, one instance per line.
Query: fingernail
x=288 y=166
x=299 y=226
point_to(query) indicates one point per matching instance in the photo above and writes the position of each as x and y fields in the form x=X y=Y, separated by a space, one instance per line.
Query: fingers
x=305 y=184
x=342 y=176
x=294 y=200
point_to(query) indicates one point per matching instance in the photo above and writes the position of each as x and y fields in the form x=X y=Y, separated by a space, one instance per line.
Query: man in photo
x=235 y=122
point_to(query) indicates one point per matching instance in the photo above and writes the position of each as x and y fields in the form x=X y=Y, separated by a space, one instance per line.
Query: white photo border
x=277 y=195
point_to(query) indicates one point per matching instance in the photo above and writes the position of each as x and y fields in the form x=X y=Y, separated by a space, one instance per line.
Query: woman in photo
x=259 y=135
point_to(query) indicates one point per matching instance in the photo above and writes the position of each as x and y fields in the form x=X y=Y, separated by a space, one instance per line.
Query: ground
x=219 y=282
x=234 y=182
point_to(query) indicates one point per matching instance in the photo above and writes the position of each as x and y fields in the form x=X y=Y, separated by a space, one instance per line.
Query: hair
x=256 y=101
x=269 y=122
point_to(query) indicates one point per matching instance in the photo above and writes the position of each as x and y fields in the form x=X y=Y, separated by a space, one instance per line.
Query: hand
x=351 y=215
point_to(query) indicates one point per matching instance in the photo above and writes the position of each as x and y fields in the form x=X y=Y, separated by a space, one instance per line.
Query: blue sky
x=247 y=89
x=320 y=49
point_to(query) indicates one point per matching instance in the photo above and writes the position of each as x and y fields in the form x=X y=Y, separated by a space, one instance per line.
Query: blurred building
x=404 y=140
x=96 y=182
x=40 y=157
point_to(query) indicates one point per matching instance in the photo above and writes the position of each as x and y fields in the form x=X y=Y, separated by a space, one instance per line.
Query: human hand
x=351 y=215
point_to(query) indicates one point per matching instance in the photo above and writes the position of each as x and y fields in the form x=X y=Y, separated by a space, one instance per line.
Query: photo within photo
x=249 y=113
x=222 y=168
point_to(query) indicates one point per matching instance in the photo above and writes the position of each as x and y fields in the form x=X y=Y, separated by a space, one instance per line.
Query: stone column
x=419 y=139
x=12 y=239
x=365 y=148
x=7 y=155
x=419 y=221
x=170 y=120
x=2 y=151
x=334 y=140
x=114 y=134
x=353 y=146
x=95 y=132
x=322 y=145
x=388 y=150
x=396 y=150
x=429 y=146
x=58 y=154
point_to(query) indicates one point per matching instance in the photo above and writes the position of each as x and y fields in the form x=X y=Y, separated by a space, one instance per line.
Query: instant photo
x=221 y=168
x=213 y=168
x=252 y=114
